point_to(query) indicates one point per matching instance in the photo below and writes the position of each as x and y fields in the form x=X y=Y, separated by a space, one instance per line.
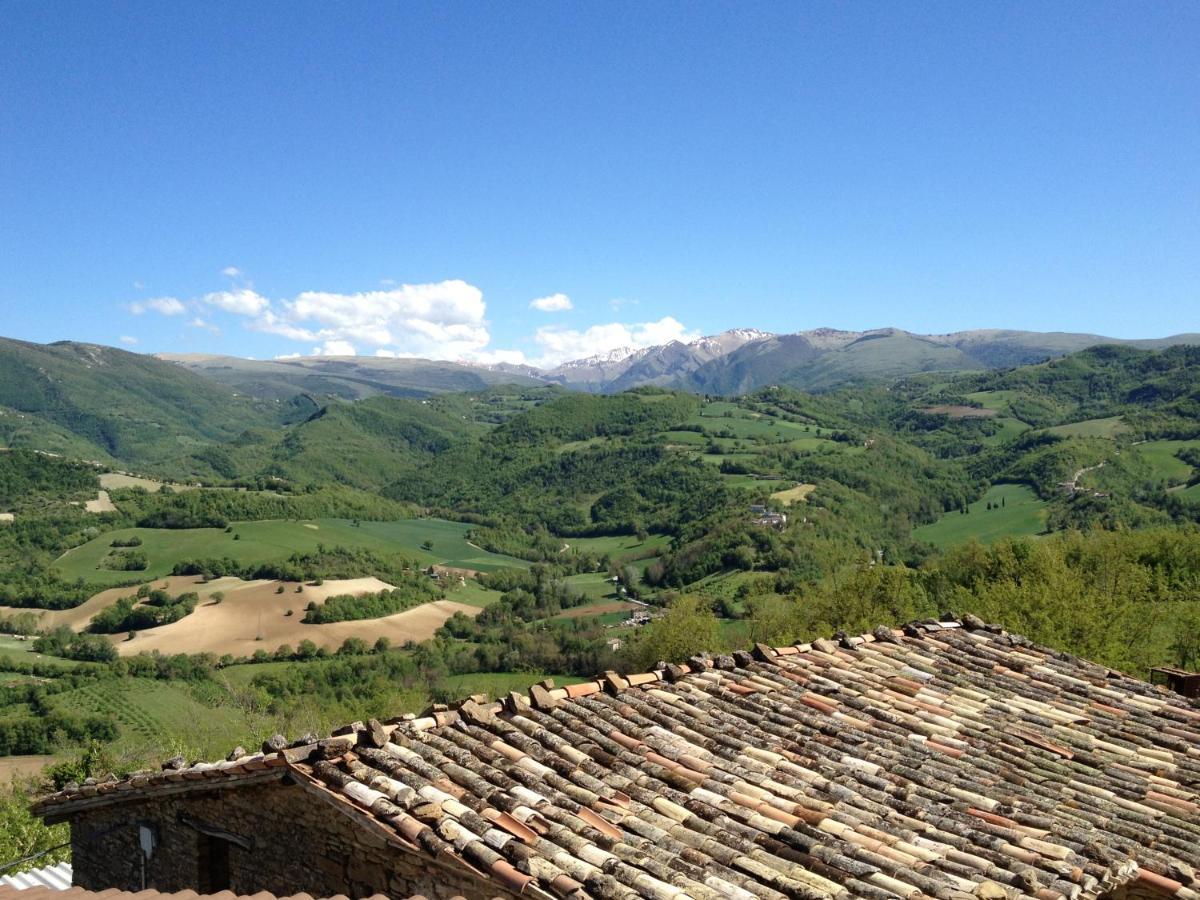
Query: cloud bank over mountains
x=436 y=320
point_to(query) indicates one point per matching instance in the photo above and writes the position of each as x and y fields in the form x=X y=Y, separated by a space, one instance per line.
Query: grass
x=757 y=428
x=997 y=400
x=582 y=445
x=1160 y=455
x=812 y=443
x=279 y=539
x=735 y=633
x=593 y=584
x=472 y=593
x=22 y=651
x=153 y=714
x=1022 y=514
x=742 y=480
x=1009 y=428
x=715 y=459
x=691 y=438
x=1104 y=428
x=620 y=544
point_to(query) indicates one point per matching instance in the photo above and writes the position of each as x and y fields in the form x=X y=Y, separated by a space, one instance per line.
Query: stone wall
x=300 y=844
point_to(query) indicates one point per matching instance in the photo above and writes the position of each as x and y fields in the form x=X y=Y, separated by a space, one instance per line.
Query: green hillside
x=126 y=406
x=266 y=541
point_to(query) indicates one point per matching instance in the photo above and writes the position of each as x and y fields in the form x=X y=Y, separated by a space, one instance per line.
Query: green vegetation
x=147 y=609
x=1006 y=510
x=269 y=541
x=568 y=506
x=345 y=607
x=1165 y=461
x=1107 y=428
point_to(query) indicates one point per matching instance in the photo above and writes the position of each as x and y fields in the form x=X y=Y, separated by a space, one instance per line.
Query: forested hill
x=108 y=404
x=1106 y=436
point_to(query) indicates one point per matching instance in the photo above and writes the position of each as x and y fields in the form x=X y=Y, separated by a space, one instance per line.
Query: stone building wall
x=300 y=844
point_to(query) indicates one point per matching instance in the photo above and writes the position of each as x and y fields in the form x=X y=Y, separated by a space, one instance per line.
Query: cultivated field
x=110 y=480
x=21 y=767
x=797 y=494
x=1022 y=514
x=254 y=616
x=252 y=610
x=103 y=503
x=278 y=539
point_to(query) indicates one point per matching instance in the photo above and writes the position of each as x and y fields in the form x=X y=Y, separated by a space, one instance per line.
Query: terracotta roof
x=78 y=893
x=937 y=760
x=49 y=892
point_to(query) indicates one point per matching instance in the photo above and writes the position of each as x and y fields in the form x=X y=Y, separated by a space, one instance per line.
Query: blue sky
x=409 y=178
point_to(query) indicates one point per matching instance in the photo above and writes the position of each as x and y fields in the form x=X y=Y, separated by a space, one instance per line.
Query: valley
x=321 y=556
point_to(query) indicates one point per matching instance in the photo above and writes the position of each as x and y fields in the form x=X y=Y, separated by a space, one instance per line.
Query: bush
x=158 y=608
x=347 y=607
x=63 y=642
x=126 y=561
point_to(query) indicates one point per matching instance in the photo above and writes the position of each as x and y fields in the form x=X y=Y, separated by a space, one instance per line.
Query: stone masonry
x=298 y=844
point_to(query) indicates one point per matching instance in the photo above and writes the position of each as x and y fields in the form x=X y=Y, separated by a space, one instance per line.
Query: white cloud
x=203 y=325
x=335 y=348
x=288 y=356
x=242 y=302
x=231 y=272
x=444 y=320
x=618 y=302
x=128 y=339
x=495 y=357
x=168 y=306
x=138 y=285
x=553 y=303
x=561 y=344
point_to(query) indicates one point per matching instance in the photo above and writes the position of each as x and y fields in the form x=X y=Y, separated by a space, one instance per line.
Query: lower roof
x=936 y=760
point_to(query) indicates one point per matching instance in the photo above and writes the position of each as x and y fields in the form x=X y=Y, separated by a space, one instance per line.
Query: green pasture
x=152 y=715
x=1022 y=514
x=279 y=539
x=593 y=584
x=1160 y=455
x=1103 y=428
x=620 y=544
x=759 y=428
x=1009 y=428
x=690 y=438
x=11 y=648
x=997 y=400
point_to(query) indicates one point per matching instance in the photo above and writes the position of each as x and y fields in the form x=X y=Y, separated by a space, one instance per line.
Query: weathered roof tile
x=934 y=760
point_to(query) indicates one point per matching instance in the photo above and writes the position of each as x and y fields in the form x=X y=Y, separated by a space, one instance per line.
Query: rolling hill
x=109 y=404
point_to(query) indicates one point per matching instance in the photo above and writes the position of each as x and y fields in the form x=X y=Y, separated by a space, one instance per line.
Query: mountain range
x=733 y=362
